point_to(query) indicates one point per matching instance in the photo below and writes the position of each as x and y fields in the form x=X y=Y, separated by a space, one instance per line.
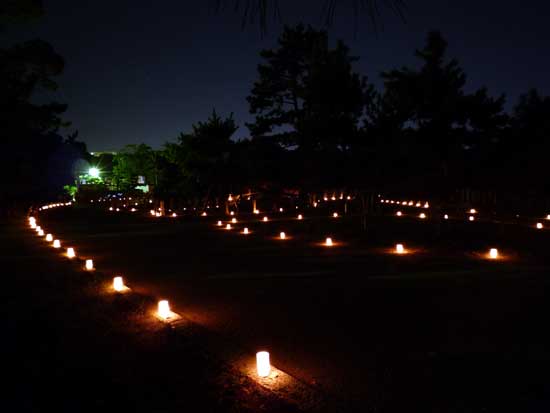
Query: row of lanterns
x=164 y=311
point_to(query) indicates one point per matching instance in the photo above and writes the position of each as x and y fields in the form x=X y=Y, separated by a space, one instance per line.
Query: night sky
x=143 y=71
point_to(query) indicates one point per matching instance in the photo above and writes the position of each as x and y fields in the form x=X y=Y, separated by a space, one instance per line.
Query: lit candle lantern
x=118 y=284
x=472 y=211
x=315 y=206
x=333 y=198
x=265 y=219
x=548 y=216
x=256 y=211
x=231 y=213
x=471 y=218
x=418 y=204
x=41 y=233
x=325 y=198
x=411 y=203
x=426 y=205
x=282 y=235
x=335 y=215
x=219 y=224
x=349 y=197
x=33 y=225
x=399 y=249
x=263 y=365
x=32 y=219
x=228 y=226
x=203 y=214
x=49 y=237
x=328 y=242
x=56 y=243
x=422 y=215
x=300 y=216
x=539 y=225
x=164 y=309
x=118 y=210
x=245 y=231
x=398 y=213
x=234 y=220
x=89 y=265
x=70 y=252
x=446 y=216
x=280 y=209
x=493 y=253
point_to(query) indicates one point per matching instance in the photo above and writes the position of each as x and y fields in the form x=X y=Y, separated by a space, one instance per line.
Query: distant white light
x=93 y=172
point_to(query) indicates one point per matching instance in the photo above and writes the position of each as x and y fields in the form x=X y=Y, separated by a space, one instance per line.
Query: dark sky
x=142 y=71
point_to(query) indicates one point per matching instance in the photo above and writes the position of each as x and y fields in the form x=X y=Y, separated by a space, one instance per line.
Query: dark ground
x=440 y=330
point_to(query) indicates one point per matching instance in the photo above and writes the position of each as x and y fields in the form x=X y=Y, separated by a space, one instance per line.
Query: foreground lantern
x=471 y=218
x=89 y=265
x=49 y=237
x=245 y=231
x=33 y=225
x=399 y=249
x=539 y=225
x=328 y=242
x=219 y=224
x=40 y=233
x=56 y=243
x=263 y=365
x=473 y=211
x=493 y=253
x=282 y=235
x=118 y=284
x=422 y=215
x=164 y=309
x=70 y=252
x=228 y=226
x=234 y=220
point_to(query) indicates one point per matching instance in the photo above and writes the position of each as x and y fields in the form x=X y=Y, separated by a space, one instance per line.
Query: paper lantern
x=56 y=243
x=493 y=253
x=70 y=252
x=280 y=209
x=300 y=216
x=472 y=211
x=539 y=225
x=471 y=218
x=231 y=213
x=426 y=205
x=203 y=214
x=89 y=265
x=32 y=219
x=219 y=224
x=49 y=237
x=256 y=211
x=245 y=231
x=41 y=233
x=399 y=249
x=349 y=197
x=328 y=242
x=265 y=219
x=422 y=215
x=446 y=216
x=228 y=226
x=164 y=309
x=33 y=225
x=118 y=284
x=263 y=365
x=398 y=213
x=548 y=216
x=234 y=220
x=282 y=235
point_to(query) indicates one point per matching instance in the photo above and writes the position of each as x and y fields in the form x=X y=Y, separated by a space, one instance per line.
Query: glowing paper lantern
x=56 y=243
x=398 y=213
x=446 y=216
x=472 y=211
x=399 y=249
x=335 y=215
x=422 y=215
x=230 y=198
x=548 y=216
x=228 y=226
x=89 y=265
x=234 y=220
x=282 y=235
x=349 y=197
x=49 y=237
x=118 y=284
x=280 y=209
x=328 y=242
x=256 y=211
x=265 y=219
x=471 y=218
x=245 y=231
x=426 y=205
x=33 y=225
x=231 y=213
x=539 y=225
x=219 y=224
x=203 y=214
x=164 y=309
x=300 y=216
x=70 y=252
x=493 y=253
x=263 y=365
x=41 y=233
x=32 y=219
